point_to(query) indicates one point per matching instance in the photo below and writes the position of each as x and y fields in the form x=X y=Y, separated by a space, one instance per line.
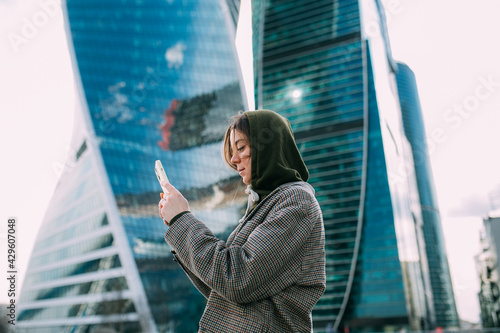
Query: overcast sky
x=452 y=46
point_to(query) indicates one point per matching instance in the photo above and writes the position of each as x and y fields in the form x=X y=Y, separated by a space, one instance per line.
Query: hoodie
x=275 y=158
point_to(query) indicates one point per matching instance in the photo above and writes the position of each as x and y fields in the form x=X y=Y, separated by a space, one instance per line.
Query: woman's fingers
x=169 y=187
x=172 y=203
x=162 y=203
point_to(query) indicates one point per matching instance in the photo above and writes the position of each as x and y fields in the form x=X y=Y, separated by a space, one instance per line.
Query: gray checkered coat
x=270 y=272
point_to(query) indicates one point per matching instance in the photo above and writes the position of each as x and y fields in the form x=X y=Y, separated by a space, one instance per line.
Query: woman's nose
x=235 y=159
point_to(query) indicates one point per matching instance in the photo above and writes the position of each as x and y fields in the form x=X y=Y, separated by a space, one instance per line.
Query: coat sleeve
x=202 y=287
x=267 y=263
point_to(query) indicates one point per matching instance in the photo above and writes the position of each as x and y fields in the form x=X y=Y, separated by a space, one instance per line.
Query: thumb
x=169 y=187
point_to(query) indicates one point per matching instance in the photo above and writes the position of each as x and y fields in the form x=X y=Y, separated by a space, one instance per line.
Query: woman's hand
x=171 y=204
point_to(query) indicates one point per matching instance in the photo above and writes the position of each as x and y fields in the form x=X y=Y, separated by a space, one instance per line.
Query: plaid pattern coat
x=270 y=272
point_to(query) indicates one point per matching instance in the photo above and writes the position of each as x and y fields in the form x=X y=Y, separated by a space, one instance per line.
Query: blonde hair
x=239 y=122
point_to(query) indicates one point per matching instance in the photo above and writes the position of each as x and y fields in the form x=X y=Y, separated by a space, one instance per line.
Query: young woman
x=270 y=272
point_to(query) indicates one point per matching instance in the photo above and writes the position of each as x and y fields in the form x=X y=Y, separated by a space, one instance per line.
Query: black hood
x=275 y=158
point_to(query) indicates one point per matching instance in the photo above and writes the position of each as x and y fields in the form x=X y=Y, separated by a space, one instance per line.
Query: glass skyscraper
x=443 y=297
x=156 y=80
x=326 y=65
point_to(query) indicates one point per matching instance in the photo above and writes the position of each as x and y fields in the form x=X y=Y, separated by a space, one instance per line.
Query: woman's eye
x=241 y=148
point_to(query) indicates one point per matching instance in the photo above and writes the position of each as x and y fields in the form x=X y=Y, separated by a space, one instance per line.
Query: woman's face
x=241 y=155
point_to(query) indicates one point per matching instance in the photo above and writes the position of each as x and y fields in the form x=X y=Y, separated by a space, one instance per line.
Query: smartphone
x=161 y=175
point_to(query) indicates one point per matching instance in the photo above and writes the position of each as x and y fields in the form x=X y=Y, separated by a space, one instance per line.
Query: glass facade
x=380 y=285
x=157 y=80
x=318 y=64
x=442 y=290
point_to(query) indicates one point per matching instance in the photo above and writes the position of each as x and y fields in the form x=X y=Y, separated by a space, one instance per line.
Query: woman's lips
x=241 y=171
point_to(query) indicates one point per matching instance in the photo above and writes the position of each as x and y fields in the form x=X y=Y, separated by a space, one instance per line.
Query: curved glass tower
x=326 y=65
x=442 y=290
x=156 y=80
